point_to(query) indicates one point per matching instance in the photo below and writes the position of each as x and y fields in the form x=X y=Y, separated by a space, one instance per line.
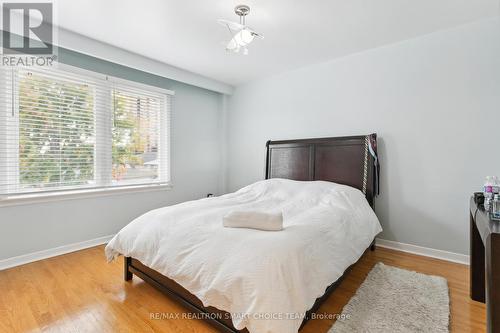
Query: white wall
x=196 y=161
x=433 y=100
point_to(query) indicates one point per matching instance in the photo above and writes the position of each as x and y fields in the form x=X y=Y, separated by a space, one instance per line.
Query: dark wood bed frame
x=344 y=160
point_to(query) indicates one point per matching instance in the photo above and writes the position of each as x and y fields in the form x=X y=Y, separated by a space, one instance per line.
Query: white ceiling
x=184 y=33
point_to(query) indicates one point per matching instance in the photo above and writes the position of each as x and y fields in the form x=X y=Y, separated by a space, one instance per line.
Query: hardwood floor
x=80 y=292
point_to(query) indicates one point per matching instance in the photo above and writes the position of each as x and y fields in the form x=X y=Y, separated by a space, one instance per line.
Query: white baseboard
x=57 y=251
x=424 y=251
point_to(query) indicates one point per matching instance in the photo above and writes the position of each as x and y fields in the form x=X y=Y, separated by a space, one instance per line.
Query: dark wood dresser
x=485 y=263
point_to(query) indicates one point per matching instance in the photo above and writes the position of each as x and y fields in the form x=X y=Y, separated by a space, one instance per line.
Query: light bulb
x=244 y=37
x=232 y=45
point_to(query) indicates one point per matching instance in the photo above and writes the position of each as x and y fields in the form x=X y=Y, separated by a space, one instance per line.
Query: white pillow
x=269 y=221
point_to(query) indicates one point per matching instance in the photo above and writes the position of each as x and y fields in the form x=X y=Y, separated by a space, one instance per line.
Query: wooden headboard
x=344 y=160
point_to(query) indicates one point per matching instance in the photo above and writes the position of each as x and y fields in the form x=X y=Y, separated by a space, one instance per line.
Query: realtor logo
x=28 y=34
x=27 y=28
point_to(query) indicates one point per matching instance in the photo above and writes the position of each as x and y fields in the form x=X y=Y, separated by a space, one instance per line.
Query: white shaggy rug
x=396 y=300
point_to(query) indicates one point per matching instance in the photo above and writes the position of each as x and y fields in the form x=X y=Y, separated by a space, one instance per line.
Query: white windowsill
x=33 y=198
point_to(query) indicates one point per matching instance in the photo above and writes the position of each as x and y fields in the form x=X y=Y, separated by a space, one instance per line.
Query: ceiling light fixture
x=241 y=34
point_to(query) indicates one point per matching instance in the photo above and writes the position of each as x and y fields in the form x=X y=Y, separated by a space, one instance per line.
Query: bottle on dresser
x=491 y=186
x=495 y=207
x=491 y=196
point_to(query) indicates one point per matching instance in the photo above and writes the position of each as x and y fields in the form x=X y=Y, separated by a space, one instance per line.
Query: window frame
x=103 y=184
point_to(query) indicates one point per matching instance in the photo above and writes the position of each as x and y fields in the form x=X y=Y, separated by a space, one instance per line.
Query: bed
x=342 y=172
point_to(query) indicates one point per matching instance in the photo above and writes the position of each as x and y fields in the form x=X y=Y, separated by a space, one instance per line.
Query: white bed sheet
x=266 y=279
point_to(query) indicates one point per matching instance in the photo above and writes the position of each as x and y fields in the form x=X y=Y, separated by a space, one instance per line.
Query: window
x=68 y=129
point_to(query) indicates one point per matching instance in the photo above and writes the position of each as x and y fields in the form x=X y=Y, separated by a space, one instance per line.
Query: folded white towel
x=254 y=220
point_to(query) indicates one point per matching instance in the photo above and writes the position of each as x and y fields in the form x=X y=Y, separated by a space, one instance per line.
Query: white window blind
x=67 y=129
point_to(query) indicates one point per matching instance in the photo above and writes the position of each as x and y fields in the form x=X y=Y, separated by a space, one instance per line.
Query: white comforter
x=266 y=279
